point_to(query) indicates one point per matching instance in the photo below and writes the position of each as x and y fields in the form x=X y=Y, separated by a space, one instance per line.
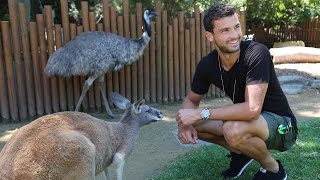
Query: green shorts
x=277 y=141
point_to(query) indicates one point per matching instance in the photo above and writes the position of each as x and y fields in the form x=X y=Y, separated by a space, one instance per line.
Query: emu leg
x=85 y=88
x=103 y=92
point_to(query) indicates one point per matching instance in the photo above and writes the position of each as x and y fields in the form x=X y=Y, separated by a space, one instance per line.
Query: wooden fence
x=162 y=75
x=307 y=31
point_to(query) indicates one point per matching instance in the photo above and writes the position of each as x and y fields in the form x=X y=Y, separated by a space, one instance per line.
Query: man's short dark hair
x=216 y=12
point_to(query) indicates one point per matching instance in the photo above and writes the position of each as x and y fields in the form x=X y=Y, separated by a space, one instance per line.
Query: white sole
x=243 y=168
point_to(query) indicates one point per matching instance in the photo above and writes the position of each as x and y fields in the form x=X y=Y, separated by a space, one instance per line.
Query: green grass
x=302 y=161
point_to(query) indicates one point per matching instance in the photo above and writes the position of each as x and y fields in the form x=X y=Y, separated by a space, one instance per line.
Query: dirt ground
x=156 y=147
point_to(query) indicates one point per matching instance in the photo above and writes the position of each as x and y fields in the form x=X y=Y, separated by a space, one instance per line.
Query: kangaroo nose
x=160 y=115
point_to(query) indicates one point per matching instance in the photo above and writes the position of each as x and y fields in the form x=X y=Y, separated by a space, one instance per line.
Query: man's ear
x=209 y=36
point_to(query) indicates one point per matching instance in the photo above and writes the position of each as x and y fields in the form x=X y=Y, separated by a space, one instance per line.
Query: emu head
x=147 y=15
x=137 y=111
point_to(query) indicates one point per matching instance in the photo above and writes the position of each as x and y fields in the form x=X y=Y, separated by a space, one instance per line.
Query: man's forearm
x=236 y=112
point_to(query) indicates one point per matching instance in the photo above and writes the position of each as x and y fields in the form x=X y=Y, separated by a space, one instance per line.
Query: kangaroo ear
x=137 y=106
x=120 y=101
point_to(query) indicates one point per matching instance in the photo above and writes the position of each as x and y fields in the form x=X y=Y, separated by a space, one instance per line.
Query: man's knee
x=234 y=132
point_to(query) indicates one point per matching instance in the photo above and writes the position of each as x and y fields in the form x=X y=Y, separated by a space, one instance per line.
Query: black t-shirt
x=254 y=66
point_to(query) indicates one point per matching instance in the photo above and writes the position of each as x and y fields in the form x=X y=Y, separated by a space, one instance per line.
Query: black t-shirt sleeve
x=258 y=63
x=200 y=83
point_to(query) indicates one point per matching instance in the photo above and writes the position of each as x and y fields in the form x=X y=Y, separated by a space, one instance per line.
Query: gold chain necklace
x=235 y=80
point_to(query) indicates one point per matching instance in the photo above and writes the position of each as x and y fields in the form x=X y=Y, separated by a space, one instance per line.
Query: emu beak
x=154 y=13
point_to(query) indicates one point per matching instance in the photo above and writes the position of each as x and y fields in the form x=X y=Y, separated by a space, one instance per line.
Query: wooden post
x=158 y=52
x=65 y=82
x=170 y=64
x=187 y=60
x=27 y=60
x=76 y=79
x=61 y=80
x=43 y=59
x=152 y=71
x=122 y=76
x=36 y=68
x=86 y=27
x=53 y=80
x=164 y=57
x=182 y=56
x=134 y=72
x=139 y=11
x=13 y=106
x=4 y=105
x=198 y=33
x=14 y=24
x=126 y=30
x=115 y=75
x=95 y=85
x=176 y=59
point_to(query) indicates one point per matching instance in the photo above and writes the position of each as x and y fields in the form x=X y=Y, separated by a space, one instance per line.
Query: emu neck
x=147 y=26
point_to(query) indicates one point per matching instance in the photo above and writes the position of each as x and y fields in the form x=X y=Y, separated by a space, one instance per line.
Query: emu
x=95 y=53
x=74 y=145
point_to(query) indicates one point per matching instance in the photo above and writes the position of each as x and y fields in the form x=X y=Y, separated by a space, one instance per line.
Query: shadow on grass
x=300 y=162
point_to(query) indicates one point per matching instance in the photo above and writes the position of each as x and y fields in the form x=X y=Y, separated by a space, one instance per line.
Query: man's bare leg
x=249 y=138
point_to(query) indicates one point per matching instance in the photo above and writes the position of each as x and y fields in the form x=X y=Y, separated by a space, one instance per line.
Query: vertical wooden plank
x=65 y=20
x=76 y=79
x=106 y=15
x=107 y=27
x=203 y=38
x=182 y=56
x=115 y=75
x=36 y=68
x=14 y=24
x=146 y=69
x=85 y=103
x=187 y=60
x=134 y=73
x=4 y=104
x=95 y=85
x=53 y=80
x=126 y=30
x=66 y=39
x=198 y=33
x=61 y=80
x=208 y=49
x=12 y=96
x=139 y=12
x=158 y=52
x=27 y=60
x=170 y=64
x=86 y=27
x=43 y=59
x=243 y=22
x=193 y=46
x=153 y=84
x=164 y=57
x=176 y=59
x=122 y=75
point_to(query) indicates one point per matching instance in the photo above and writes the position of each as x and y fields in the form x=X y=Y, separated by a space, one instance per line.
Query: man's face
x=227 y=34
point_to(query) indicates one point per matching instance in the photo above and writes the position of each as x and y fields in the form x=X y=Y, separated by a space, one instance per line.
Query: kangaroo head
x=137 y=111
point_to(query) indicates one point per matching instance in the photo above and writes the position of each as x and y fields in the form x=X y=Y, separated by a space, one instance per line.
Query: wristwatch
x=205 y=114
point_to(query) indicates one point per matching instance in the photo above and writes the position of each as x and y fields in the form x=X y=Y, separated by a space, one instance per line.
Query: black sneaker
x=238 y=164
x=263 y=174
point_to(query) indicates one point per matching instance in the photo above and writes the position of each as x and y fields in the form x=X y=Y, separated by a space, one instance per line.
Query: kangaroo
x=75 y=145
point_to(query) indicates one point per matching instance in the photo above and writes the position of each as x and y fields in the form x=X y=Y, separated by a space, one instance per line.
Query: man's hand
x=187 y=134
x=188 y=116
